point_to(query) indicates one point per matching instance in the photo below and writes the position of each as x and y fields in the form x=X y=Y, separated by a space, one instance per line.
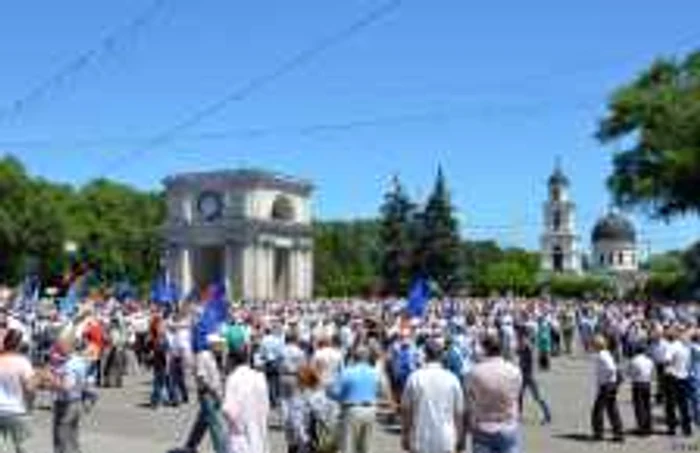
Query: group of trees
x=418 y=242
x=114 y=226
x=656 y=116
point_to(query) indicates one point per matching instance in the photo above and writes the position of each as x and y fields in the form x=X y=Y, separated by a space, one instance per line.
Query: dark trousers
x=641 y=401
x=66 y=426
x=529 y=383
x=606 y=403
x=178 y=386
x=114 y=367
x=678 y=398
x=272 y=373
x=544 y=360
x=661 y=384
x=161 y=387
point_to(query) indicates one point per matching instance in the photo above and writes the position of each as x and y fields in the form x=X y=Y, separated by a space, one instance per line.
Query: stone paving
x=121 y=424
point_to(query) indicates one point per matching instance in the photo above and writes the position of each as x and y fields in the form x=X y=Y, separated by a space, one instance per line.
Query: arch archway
x=557 y=259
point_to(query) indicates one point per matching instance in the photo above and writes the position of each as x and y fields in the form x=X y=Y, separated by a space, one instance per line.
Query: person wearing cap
x=432 y=407
x=357 y=390
x=246 y=407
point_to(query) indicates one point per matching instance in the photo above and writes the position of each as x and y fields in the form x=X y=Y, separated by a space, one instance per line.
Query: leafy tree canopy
x=658 y=115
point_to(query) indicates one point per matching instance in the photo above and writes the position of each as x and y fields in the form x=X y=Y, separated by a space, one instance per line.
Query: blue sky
x=493 y=91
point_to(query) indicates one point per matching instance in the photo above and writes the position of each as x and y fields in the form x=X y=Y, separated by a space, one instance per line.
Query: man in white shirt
x=606 y=397
x=433 y=408
x=640 y=371
x=678 y=390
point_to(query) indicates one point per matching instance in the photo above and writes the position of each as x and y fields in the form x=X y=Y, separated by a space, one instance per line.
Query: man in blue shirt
x=357 y=389
x=270 y=352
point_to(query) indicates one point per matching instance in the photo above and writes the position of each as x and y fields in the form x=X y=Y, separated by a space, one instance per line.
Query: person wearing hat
x=246 y=407
x=432 y=407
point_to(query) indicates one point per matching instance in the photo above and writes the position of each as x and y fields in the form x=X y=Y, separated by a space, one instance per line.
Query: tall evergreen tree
x=396 y=239
x=438 y=252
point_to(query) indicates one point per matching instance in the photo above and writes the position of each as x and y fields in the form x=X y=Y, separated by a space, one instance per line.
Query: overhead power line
x=312 y=129
x=80 y=62
x=257 y=83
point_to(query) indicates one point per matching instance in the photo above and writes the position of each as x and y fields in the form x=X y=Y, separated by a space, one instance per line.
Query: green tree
x=396 y=236
x=659 y=114
x=346 y=257
x=476 y=256
x=691 y=264
x=438 y=249
x=515 y=271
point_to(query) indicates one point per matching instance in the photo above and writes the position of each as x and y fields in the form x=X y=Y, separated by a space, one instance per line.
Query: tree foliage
x=659 y=114
x=438 y=248
x=346 y=257
x=397 y=240
x=115 y=226
x=579 y=286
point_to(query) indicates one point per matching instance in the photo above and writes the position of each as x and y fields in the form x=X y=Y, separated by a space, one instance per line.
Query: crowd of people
x=324 y=368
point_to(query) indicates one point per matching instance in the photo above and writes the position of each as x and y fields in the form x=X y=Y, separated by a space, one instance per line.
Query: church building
x=560 y=243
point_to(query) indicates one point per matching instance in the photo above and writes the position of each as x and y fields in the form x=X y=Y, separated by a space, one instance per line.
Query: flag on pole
x=418 y=297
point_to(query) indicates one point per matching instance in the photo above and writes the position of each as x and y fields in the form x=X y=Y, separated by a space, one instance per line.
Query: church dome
x=614 y=227
x=558 y=178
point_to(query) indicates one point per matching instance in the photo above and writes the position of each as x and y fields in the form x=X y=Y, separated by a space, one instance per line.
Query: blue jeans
x=498 y=442
x=161 y=389
x=695 y=399
x=209 y=418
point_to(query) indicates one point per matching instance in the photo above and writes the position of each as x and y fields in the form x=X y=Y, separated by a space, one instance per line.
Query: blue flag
x=69 y=304
x=418 y=298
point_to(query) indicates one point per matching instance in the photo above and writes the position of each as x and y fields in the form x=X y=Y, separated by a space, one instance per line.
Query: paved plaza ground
x=121 y=424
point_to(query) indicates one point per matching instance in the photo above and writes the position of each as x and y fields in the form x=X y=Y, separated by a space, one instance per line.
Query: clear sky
x=493 y=91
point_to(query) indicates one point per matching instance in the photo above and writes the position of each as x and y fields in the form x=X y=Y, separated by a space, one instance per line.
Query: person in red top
x=94 y=337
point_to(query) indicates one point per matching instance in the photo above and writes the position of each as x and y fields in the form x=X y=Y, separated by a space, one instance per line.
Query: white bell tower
x=560 y=244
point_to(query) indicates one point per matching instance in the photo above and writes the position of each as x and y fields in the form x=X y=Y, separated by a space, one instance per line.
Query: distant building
x=614 y=242
x=613 y=253
x=249 y=229
x=560 y=244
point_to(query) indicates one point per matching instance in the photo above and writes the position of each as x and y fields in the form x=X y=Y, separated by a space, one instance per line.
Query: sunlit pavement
x=122 y=424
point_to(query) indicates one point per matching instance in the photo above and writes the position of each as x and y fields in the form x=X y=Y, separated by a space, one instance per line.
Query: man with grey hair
x=357 y=390
x=433 y=407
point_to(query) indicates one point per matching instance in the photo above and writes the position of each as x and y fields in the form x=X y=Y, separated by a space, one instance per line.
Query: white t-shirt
x=329 y=361
x=679 y=360
x=641 y=368
x=606 y=370
x=15 y=370
x=434 y=396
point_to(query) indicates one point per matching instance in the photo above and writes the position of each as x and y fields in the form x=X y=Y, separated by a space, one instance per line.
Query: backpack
x=323 y=436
